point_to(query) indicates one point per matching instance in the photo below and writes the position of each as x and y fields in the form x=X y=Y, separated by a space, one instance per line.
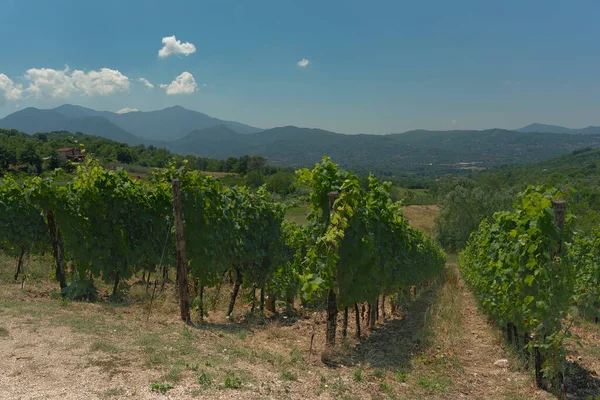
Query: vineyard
x=534 y=275
x=126 y=264
x=357 y=254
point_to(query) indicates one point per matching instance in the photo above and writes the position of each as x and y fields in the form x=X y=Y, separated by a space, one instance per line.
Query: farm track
x=442 y=347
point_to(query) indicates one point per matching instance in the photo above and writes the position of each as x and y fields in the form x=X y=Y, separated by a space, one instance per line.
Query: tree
x=281 y=183
x=254 y=179
x=125 y=155
x=8 y=157
x=29 y=156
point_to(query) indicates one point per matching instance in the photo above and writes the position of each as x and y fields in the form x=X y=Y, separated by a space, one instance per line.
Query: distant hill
x=32 y=120
x=590 y=130
x=417 y=151
x=164 y=125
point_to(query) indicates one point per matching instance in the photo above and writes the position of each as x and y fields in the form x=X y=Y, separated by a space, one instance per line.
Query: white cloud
x=100 y=83
x=174 y=46
x=303 y=63
x=127 y=110
x=146 y=82
x=49 y=83
x=183 y=84
x=8 y=89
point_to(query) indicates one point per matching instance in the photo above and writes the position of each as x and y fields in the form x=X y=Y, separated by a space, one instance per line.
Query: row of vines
x=534 y=274
x=102 y=224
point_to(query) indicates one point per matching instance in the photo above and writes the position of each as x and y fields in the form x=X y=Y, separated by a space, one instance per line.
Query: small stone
x=469 y=352
x=501 y=363
x=579 y=358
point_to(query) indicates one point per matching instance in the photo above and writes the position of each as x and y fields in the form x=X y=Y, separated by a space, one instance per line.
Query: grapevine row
x=102 y=224
x=532 y=273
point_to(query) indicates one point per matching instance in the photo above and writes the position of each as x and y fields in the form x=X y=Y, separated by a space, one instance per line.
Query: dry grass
x=65 y=350
x=422 y=217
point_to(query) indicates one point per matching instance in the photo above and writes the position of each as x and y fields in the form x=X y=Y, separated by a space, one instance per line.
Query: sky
x=345 y=66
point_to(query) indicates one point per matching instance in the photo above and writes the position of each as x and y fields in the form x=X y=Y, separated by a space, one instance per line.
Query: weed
x=339 y=386
x=379 y=374
x=3 y=332
x=288 y=376
x=295 y=356
x=112 y=392
x=188 y=334
x=323 y=379
x=204 y=379
x=241 y=334
x=232 y=381
x=385 y=387
x=434 y=383
x=174 y=375
x=401 y=376
x=157 y=358
x=192 y=367
x=511 y=396
x=357 y=375
x=161 y=387
x=106 y=347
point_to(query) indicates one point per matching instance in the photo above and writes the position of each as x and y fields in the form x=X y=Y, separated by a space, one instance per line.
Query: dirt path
x=463 y=349
x=478 y=349
x=441 y=347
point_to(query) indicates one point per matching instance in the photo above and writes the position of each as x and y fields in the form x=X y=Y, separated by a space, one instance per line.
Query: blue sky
x=373 y=66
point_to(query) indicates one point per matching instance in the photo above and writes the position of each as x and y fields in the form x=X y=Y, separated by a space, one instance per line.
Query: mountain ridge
x=167 y=124
x=538 y=127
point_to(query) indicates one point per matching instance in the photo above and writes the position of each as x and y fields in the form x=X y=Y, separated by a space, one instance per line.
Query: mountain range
x=190 y=132
x=536 y=127
x=135 y=127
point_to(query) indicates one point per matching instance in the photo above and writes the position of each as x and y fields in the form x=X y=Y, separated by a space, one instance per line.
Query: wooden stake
x=332 y=304
x=57 y=248
x=182 y=281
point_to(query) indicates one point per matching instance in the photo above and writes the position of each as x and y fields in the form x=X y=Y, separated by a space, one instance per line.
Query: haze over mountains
x=191 y=132
x=536 y=127
x=132 y=128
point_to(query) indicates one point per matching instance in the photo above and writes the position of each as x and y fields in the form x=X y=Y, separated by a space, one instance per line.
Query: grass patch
x=91 y=324
x=161 y=387
x=113 y=392
x=296 y=356
x=297 y=214
x=379 y=374
x=232 y=381
x=288 y=376
x=401 y=377
x=511 y=396
x=385 y=387
x=357 y=375
x=433 y=382
x=174 y=374
x=204 y=379
x=106 y=347
x=3 y=332
x=157 y=357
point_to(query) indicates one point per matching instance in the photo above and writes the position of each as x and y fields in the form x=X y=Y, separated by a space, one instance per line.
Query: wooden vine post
x=332 y=304
x=182 y=273
x=57 y=249
x=560 y=211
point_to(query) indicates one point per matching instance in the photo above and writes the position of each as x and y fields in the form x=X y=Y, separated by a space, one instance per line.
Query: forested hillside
x=416 y=153
x=421 y=152
x=466 y=201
